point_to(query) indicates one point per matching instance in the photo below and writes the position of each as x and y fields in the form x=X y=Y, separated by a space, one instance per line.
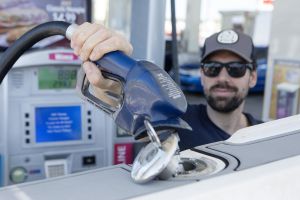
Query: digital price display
x=57 y=124
x=56 y=78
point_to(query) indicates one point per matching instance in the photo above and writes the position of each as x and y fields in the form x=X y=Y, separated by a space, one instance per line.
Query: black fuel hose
x=26 y=41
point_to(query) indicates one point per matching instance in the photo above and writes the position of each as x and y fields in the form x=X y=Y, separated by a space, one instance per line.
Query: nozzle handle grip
x=116 y=63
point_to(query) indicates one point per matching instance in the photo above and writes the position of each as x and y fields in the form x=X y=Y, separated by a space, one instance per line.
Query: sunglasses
x=234 y=69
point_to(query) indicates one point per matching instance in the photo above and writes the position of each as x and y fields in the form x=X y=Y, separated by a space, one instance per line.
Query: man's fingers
x=95 y=77
x=93 y=73
x=96 y=38
x=81 y=34
x=113 y=43
x=92 y=41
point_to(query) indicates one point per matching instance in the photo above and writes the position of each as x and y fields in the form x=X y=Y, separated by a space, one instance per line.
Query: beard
x=225 y=104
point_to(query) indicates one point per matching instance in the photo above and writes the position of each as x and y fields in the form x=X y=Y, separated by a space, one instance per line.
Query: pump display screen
x=56 y=124
x=57 y=78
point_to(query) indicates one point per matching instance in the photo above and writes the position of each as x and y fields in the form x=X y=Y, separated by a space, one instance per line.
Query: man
x=227 y=69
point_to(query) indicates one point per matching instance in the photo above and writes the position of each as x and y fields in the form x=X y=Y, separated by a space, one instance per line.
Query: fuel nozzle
x=147 y=92
x=149 y=106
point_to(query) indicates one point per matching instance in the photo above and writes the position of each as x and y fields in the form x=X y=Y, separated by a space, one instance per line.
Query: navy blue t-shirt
x=204 y=130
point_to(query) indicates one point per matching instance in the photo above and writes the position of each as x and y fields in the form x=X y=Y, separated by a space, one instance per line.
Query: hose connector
x=70 y=30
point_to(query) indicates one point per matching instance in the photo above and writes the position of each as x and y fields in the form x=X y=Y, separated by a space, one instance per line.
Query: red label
x=268 y=2
x=123 y=153
x=63 y=56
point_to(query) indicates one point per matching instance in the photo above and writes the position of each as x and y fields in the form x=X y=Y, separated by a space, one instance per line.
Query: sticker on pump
x=65 y=56
x=123 y=153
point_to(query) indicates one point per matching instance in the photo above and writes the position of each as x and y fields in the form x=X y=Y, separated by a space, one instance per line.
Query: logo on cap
x=228 y=37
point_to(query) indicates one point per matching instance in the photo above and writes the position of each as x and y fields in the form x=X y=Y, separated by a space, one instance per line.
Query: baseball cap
x=229 y=40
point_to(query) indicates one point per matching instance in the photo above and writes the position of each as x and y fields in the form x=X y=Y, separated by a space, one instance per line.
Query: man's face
x=223 y=92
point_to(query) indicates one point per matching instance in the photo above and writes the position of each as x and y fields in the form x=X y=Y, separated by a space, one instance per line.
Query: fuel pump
x=48 y=130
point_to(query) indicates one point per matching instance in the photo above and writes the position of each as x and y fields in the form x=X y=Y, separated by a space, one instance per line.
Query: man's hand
x=91 y=42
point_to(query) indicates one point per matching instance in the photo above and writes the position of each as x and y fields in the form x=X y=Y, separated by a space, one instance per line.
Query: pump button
x=89 y=160
x=18 y=175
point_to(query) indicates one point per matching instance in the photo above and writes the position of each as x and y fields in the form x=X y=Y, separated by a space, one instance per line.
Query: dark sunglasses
x=234 y=69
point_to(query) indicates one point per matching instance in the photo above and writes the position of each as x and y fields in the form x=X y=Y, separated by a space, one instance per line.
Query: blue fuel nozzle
x=148 y=93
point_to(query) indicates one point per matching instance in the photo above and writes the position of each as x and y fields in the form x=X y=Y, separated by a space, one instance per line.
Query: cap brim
x=227 y=49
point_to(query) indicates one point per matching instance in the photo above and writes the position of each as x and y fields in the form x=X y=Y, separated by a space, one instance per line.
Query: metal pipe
x=174 y=44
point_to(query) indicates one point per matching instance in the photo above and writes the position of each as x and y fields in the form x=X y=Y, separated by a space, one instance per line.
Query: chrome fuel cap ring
x=151 y=133
x=154 y=157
